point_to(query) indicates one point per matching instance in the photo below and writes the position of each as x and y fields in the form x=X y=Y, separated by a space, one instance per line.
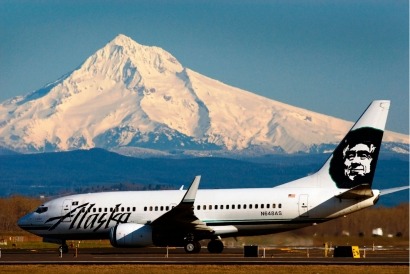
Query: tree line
x=392 y=220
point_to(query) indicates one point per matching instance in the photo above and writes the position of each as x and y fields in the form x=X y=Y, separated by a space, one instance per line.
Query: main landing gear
x=214 y=246
x=192 y=247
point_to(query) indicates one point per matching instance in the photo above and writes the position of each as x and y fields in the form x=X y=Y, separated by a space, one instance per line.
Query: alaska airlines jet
x=184 y=218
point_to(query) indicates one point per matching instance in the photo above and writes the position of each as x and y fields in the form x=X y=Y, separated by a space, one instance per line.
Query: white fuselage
x=230 y=212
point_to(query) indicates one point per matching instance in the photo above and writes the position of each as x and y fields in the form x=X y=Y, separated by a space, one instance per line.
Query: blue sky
x=333 y=57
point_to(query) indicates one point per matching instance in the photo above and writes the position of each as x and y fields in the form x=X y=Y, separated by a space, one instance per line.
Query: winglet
x=191 y=192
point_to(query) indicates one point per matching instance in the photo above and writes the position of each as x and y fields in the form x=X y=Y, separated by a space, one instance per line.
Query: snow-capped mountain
x=130 y=95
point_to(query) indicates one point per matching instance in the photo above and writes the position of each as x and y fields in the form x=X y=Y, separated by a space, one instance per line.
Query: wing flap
x=226 y=229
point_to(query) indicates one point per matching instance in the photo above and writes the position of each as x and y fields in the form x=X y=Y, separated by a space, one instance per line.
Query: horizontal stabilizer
x=392 y=190
x=358 y=192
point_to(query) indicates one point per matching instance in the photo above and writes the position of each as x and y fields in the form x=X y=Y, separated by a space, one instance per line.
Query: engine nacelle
x=131 y=235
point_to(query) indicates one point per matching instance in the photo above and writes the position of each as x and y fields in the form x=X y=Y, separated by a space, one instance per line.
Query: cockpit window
x=41 y=209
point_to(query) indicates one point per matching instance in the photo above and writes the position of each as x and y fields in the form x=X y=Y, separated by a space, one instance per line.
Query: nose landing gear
x=63 y=248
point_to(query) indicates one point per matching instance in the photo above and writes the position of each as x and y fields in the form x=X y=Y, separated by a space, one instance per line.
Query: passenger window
x=204 y=207
x=227 y=206
x=267 y=205
x=244 y=206
x=239 y=206
x=210 y=207
x=145 y=208
x=198 y=207
x=156 y=208
x=280 y=205
x=233 y=206
x=222 y=206
x=162 y=208
x=167 y=208
x=262 y=206
x=150 y=208
x=256 y=206
x=133 y=209
x=216 y=206
x=273 y=206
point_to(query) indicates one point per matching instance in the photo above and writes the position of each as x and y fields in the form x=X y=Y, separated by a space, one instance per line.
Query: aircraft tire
x=215 y=246
x=192 y=247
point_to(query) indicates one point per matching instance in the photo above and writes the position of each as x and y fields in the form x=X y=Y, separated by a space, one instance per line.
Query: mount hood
x=127 y=95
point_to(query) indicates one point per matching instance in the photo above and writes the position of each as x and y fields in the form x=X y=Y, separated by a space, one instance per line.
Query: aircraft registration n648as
x=183 y=218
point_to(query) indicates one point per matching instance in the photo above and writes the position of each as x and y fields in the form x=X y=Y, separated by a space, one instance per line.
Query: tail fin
x=353 y=163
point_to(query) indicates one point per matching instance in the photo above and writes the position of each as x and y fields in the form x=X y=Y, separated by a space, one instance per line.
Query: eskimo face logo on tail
x=354 y=160
x=358 y=160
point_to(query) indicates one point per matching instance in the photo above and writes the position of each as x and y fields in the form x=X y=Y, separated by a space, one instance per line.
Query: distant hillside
x=97 y=169
x=5 y=151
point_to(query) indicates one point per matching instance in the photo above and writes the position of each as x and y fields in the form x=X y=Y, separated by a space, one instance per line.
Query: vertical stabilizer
x=353 y=162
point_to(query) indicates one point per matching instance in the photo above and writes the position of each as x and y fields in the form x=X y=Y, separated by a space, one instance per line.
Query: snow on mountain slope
x=129 y=95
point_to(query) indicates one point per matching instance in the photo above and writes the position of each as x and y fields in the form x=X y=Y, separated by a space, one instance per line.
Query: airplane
x=180 y=218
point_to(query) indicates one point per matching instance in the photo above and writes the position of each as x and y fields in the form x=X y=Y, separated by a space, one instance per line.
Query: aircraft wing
x=392 y=190
x=358 y=192
x=182 y=217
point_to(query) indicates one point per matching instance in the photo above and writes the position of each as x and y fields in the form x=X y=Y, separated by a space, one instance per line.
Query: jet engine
x=131 y=235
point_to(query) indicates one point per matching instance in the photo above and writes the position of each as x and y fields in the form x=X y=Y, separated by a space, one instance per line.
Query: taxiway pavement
x=279 y=256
